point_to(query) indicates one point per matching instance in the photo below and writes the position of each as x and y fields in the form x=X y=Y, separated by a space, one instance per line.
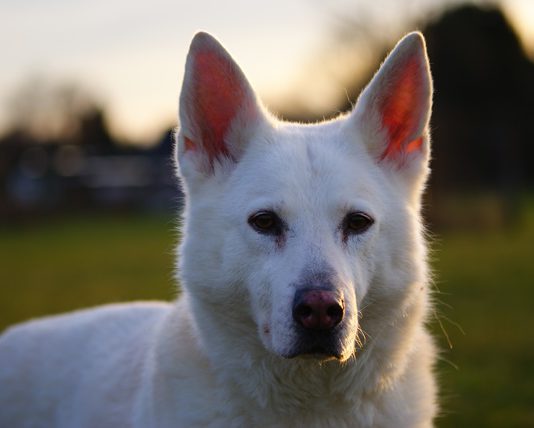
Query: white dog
x=303 y=267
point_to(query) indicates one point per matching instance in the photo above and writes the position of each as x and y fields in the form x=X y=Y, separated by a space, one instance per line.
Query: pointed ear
x=393 y=111
x=217 y=107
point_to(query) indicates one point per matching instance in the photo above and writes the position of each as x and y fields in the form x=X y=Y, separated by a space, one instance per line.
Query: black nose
x=317 y=309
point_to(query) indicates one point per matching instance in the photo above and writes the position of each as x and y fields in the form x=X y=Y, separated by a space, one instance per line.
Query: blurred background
x=88 y=200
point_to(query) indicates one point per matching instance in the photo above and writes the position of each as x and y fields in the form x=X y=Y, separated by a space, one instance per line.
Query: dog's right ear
x=218 y=109
x=393 y=111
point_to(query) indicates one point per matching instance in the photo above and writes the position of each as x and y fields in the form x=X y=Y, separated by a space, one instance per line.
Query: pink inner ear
x=402 y=108
x=218 y=95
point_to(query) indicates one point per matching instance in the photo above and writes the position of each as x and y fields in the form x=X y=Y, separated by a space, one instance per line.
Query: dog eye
x=357 y=223
x=266 y=222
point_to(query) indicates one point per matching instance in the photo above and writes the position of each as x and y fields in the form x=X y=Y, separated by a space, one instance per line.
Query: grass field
x=485 y=282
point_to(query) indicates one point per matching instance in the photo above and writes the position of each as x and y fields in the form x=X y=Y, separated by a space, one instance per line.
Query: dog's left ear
x=218 y=109
x=393 y=111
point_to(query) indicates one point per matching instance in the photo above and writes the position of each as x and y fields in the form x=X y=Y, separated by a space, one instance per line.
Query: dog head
x=295 y=229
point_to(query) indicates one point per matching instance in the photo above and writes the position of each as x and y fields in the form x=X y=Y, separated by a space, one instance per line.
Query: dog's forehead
x=302 y=152
x=298 y=160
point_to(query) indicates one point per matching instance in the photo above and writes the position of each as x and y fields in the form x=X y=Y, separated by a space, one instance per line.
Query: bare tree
x=50 y=111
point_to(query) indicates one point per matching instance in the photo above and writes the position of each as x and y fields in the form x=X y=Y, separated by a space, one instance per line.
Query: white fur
x=216 y=357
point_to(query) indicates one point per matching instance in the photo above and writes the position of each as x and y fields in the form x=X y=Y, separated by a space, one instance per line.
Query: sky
x=131 y=54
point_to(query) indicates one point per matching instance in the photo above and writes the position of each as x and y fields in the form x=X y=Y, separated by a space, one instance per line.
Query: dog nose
x=317 y=309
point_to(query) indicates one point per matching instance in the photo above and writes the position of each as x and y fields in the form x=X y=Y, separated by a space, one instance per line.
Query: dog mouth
x=318 y=346
x=317 y=353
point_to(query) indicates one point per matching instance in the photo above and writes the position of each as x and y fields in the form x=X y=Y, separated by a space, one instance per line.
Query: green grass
x=82 y=262
x=485 y=281
x=488 y=281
